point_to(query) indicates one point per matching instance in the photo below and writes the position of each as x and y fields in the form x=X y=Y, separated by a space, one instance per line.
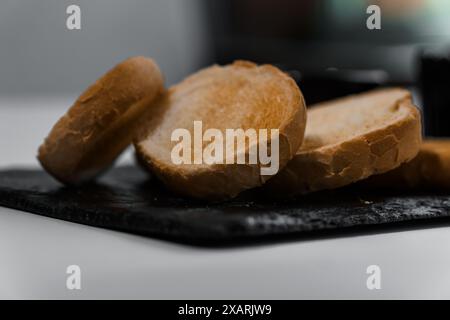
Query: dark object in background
x=306 y=36
x=126 y=199
x=435 y=86
x=334 y=83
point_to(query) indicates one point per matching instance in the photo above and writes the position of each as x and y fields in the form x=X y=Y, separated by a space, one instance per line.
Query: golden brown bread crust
x=102 y=121
x=430 y=169
x=375 y=151
x=241 y=95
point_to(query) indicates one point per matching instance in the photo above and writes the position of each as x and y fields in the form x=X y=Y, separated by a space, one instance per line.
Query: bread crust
x=430 y=169
x=102 y=122
x=375 y=151
x=222 y=181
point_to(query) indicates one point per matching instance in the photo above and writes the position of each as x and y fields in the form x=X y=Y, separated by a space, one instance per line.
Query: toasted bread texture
x=352 y=138
x=102 y=121
x=430 y=169
x=241 y=95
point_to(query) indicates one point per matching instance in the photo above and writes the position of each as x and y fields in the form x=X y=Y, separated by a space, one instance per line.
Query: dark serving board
x=127 y=199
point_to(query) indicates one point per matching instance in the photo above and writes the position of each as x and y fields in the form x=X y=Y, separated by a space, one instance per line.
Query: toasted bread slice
x=352 y=138
x=102 y=121
x=241 y=95
x=430 y=169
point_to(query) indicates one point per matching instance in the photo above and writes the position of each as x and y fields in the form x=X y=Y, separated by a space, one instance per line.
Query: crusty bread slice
x=351 y=138
x=102 y=121
x=430 y=169
x=240 y=95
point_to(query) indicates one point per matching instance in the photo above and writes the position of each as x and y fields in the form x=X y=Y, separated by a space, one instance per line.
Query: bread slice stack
x=238 y=96
x=350 y=139
x=430 y=169
x=102 y=121
x=331 y=145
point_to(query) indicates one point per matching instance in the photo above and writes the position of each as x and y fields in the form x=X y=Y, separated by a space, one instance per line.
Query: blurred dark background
x=324 y=44
x=327 y=47
x=314 y=35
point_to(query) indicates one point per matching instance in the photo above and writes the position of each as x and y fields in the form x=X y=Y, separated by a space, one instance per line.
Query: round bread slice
x=102 y=122
x=241 y=95
x=352 y=138
x=430 y=169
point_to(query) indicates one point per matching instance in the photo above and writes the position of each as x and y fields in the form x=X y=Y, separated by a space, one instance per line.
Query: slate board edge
x=206 y=238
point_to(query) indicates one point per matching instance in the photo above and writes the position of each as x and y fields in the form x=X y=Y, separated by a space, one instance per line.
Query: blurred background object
x=435 y=85
x=324 y=44
x=314 y=37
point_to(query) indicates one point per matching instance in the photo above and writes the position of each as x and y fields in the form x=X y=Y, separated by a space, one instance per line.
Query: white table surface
x=35 y=250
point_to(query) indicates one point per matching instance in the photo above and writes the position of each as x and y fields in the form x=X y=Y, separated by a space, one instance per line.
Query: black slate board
x=128 y=199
